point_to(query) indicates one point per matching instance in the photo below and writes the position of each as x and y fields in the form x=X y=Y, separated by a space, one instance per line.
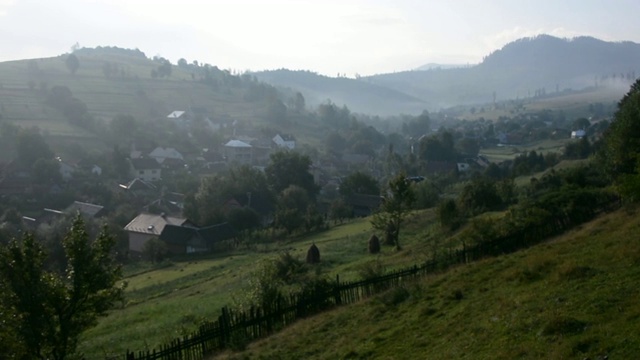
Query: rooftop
x=152 y=224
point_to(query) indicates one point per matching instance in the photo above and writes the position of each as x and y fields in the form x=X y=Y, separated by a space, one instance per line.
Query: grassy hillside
x=25 y=84
x=173 y=299
x=572 y=297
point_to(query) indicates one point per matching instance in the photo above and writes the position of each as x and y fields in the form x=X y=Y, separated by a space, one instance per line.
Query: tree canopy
x=51 y=309
x=288 y=168
x=359 y=183
x=396 y=205
x=622 y=140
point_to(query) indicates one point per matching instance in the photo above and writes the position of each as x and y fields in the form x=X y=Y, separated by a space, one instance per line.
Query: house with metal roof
x=238 y=151
x=146 y=226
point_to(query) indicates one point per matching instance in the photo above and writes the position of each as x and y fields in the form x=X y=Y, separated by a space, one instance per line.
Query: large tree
x=290 y=168
x=621 y=150
x=359 y=183
x=53 y=308
x=31 y=147
x=395 y=207
x=620 y=154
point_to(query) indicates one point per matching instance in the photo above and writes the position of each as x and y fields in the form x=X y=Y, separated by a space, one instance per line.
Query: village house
x=167 y=157
x=146 y=169
x=285 y=141
x=238 y=151
x=146 y=226
x=189 y=240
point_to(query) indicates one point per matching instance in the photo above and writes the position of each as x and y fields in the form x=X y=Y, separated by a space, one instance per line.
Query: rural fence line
x=234 y=329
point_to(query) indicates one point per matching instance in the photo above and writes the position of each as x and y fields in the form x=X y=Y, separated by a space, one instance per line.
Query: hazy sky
x=325 y=36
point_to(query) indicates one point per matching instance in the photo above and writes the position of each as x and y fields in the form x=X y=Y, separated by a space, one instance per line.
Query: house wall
x=137 y=241
x=241 y=155
x=147 y=174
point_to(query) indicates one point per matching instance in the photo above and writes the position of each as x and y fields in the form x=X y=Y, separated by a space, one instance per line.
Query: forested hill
x=541 y=66
x=529 y=67
x=358 y=96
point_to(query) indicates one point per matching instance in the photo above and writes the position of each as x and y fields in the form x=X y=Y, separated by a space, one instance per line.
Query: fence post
x=336 y=291
x=223 y=320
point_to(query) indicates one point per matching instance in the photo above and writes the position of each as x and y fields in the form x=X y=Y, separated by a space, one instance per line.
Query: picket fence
x=233 y=329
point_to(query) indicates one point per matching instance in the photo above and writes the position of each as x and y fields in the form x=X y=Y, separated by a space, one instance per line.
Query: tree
x=54 y=308
x=394 y=209
x=621 y=151
x=72 y=63
x=155 y=250
x=289 y=168
x=359 y=183
x=46 y=171
x=31 y=147
x=293 y=203
x=479 y=195
x=299 y=102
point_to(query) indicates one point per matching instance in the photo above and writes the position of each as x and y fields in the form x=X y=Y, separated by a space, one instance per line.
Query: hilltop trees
x=51 y=309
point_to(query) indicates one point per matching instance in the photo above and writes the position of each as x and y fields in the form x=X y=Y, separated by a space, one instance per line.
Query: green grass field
x=573 y=297
x=502 y=153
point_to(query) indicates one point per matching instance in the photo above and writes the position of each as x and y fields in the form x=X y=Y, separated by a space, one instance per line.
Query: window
x=141 y=172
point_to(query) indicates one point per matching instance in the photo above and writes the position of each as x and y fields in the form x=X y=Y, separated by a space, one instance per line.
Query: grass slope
x=572 y=297
x=132 y=91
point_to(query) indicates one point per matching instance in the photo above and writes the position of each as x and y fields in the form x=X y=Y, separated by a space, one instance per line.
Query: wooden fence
x=234 y=329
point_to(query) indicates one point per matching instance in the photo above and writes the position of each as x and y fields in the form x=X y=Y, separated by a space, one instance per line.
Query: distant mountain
x=358 y=95
x=435 y=66
x=541 y=65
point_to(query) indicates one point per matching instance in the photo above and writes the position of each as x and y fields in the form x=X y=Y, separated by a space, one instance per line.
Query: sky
x=330 y=37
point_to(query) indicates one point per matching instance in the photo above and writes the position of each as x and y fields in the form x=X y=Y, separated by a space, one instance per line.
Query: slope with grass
x=574 y=296
x=132 y=90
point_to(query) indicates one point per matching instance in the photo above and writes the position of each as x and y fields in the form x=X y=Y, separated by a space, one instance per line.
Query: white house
x=285 y=141
x=463 y=167
x=146 y=226
x=96 y=170
x=178 y=114
x=66 y=170
x=146 y=169
x=578 y=134
x=238 y=151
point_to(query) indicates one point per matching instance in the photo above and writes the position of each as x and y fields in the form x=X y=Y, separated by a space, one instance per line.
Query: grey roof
x=152 y=224
x=144 y=163
x=236 y=143
x=86 y=209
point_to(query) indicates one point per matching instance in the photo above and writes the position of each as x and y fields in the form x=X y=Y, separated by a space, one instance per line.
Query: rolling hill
x=539 y=67
x=358 y=96
x=572 y=297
